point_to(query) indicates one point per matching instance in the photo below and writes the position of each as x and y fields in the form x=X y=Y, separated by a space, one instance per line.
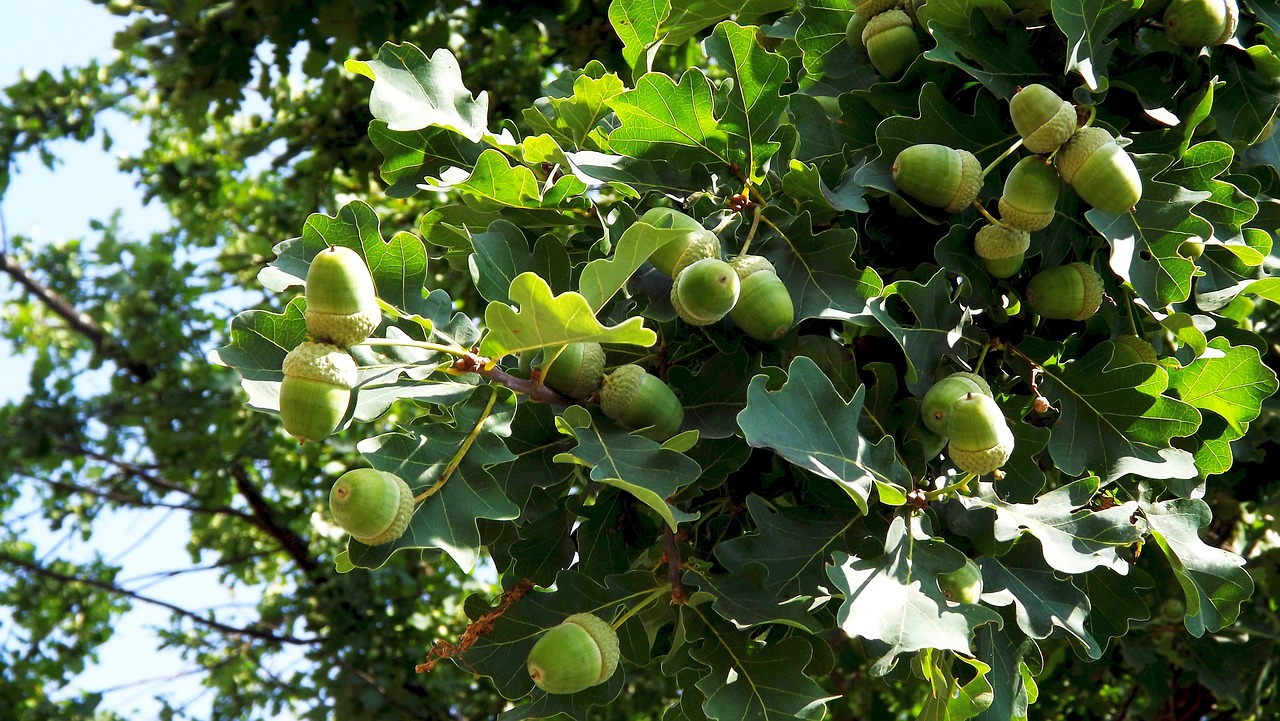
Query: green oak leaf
x=965 y=38
x=258 y=344
x=821 y=37
x=495 y=185
x=753 y=101
x=604 y=277
x=1114 y=601
x=1088 y=25
x=409 y=157
x=544 y=321
x=1233 y=383
x=412 y=92
x=501 y=253
x=817 y=268
x=632 y=176
x=810 y=425
x=1041 y=600
x=1004 y=648
x=574 y=119
x=826 y=138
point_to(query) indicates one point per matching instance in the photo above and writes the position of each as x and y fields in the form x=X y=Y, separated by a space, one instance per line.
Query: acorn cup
x=981 y=441
x=577 y=371
x=1197 y=23
x=964 y=585
x=1043 y=119
x=318 y=378
x=891 y=42
x=579 y=653
x=935 y=409
x=938 y=176
x=1002 y=249
x=1130 y=349
x=1066 y=292
x=635 y=399
x=1100 y=172
x=342 y=304
x=373 y=506
x=696 y=244
x=1030 y=195
x=764 y=309
x=705 y=291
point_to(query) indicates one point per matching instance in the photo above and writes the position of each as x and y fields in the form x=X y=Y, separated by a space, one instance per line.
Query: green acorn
x=1030 y=195
x=705 y=291
x=1196 y=23
x=935 y=409
x=1043 y=119
x=579 y=653
x=981 y=440
x=891 y=42
x=1066 y=292
x=342 y=304
x=1002 y=249
x=577 y=371
x=635 y=399
x=764 y=309
x=963 y=585
x=373 y=506
x=1100 y=172
x=1130 y=349
x=695 y=244
x=938 y=176
x=318 y=378
x=853 y=32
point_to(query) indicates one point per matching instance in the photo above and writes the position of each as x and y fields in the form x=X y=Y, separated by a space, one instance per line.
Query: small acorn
x=1130 y=349
x=981 y=441
x=696 y=243
x=342 y=304
x=935 y=409
x=891 y=42
x=764 y=309
x=1002 y=249
x=853 y=32
x=373 y=506
x=579 y=653
x=705 y=291
x=1030 y=194
x=1197 y=23
x=318 y=378
x=963 y=585
x=1100 y=171
x=1066 y=292
x=577 y=371
x=635 y=399
x=938 y=176
x=1043 y=119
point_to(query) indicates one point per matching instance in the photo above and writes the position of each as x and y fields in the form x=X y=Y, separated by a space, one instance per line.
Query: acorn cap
x=1030 y=194
x=935 y=407
x=981 y=440
x=1130 y=349
x=1002 y=249
x=745 y=265
x=1066 y=292
x=577 y=371
x=705 y=291
x=322 y=362
x=635 y=399
x=373 y=506
x=604 y=636
x=938 y=176
x=1078 y=148
x=891 y=42
x=1043 y=119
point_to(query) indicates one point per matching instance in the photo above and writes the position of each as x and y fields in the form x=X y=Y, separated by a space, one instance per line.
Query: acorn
x=891 y=42
x=705 y=291
x=1196 y=23
x=981 y=441
x=579 y=653
x=938 y=176
x=635 y=399
x=342 y=304
x=373 y=506
x=764 y=309
x=853 y=32
x=1130 y=349
x=1030 y=194
x=577 y=371
x=1066 y=292
x=963 y=585
x=696 y=243
x=1101 y=172
x=935 y=409
x=1002 y=249
x=318 y=378
x=1043 y=119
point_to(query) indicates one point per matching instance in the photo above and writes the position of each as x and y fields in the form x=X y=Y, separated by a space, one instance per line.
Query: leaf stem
x=410 y=343
x=959 y=485
x=462 y=451
x=983 y=212
x=755 y=223
x=644 y=603
x=987 y=170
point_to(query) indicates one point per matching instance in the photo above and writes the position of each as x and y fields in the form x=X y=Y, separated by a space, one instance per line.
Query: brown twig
x=678 y=594
x=264 y=517
x=441 y=650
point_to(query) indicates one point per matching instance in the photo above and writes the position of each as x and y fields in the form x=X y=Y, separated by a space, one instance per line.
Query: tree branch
x=264 y=517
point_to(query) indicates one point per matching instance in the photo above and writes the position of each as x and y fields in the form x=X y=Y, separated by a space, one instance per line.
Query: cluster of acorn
x=886 y=31
x=960 y=408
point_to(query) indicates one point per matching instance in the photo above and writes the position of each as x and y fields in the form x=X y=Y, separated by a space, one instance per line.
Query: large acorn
x=577 y=371
x=342 y=304
x=1066 y=292
x=373 y=506
x=1196 y=23
x=1043 y=119
x=705 y=291
x=963 y=585
x=579 y=653
x=1030 y=194
x=935 y=409
x=891 y=42
x=764 y=309
x=635 y=399
x=1100 y=171
x=938 y=176
x=1002 y=249
x=318 y=378
x=695 y=243
x=981 y=440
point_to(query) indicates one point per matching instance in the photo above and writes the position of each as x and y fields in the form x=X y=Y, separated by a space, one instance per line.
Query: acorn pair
x=1027 y=204
x=960 y=407
x=886 y=31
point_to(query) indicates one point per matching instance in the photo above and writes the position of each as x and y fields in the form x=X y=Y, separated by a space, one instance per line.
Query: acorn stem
x=987 y=170
x=959 y=485
x=408 y=343
x=462 y=451
x=983 y=212
x=644 y=603
x=755 y=223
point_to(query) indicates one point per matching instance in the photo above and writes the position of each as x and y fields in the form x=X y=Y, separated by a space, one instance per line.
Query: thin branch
x=678 y=594
x=265 y=518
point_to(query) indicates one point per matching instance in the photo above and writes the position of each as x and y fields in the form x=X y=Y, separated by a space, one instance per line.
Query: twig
x=678 y=594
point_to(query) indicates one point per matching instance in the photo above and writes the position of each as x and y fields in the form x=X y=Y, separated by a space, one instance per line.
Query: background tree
x=151 y=309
